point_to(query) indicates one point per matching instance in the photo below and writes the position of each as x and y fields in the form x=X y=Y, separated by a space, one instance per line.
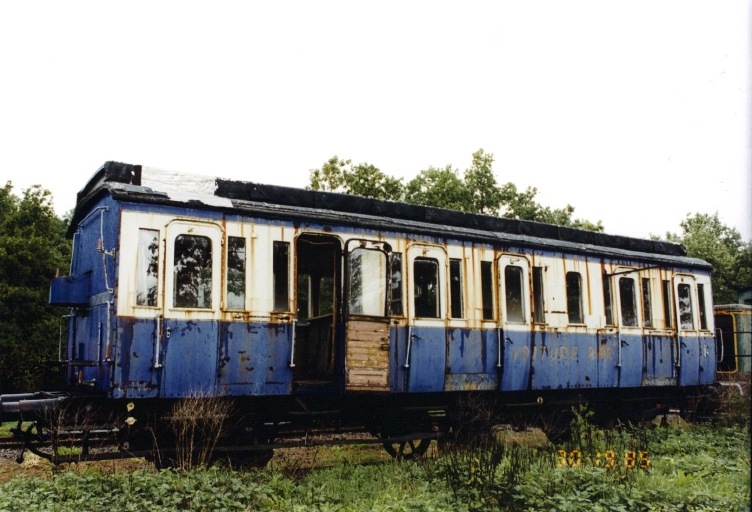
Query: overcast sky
x=636 y=113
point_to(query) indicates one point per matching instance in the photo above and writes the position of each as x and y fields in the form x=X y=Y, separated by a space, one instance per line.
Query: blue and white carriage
x=307 y=304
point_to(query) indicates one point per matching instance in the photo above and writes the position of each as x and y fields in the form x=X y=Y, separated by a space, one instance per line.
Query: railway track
x=79 y=446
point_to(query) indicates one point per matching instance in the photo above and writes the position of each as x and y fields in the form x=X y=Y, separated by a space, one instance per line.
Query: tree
x=706 y=237
x=484 y=194
x=477 y=191
x=360 y=180
x=441 y=188
x=32 y=248
x=331 y=175
x=368 y=181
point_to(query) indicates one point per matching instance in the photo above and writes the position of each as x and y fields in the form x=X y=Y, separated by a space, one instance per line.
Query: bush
x=196 y=424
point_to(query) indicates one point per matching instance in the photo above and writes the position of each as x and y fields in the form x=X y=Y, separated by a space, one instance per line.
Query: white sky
x=635 y=112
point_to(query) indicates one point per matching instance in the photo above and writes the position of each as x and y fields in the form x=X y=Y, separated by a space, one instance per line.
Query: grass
x=692 y=467
x=685 y=467
x=6 y=426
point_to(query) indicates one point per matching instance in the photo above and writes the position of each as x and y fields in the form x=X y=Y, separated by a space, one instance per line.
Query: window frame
x=456 y=288
x=280 y=291
x=629 y=293
x=245 y=274
x=424 y=261
x=580 y=305
x=538 y=292
x=520 y=313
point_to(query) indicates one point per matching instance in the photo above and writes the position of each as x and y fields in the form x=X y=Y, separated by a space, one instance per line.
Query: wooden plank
x=367 y=355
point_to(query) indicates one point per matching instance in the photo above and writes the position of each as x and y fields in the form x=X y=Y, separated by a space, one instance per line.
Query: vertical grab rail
x=292 y=345
x=620 y=342
x=720 y=339
x=157 y=342
x=498 y=347
x=99 y=343
x=409 y=345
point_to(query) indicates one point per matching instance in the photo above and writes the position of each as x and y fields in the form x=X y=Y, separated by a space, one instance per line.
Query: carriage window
x=701 y=299
x=367 y=282
x=281 y=270
x=396 y=308
x=304 y=297
x=235 y=272
x=486 y=282
x=574 y=298
x=539 y=315
x=608 y=300
x=627 y=298
x=426 y=285
x=325 y=297
x=646 y=316
x=667 y=309
x=513 y=289
x=455 y=287
x=147 y=267
x=685 y=307
x=192 y=287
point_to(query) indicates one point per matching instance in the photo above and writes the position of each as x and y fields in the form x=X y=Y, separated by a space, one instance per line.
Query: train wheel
x=407 y=450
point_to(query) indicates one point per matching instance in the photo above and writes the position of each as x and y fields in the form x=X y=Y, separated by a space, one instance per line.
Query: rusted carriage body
x=307 y=306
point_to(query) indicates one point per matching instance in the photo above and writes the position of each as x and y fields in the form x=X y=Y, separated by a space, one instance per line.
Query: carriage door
x=687 y=333
x=425 y=353
x=514 y=325
x=367 y=338
x=190 y=328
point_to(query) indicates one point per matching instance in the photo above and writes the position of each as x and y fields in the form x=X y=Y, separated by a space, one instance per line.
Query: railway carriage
x=310 y=308
x=733 y=323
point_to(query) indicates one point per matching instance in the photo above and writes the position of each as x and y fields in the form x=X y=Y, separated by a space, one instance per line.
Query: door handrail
x=720 y=337
x=157 y=342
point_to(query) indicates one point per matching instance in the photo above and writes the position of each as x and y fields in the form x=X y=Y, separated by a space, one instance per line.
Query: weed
x=197 y=424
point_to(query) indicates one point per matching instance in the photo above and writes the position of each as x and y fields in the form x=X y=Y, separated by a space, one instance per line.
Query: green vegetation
x=706 y=237
x=684 y=468
x=32 y=247
x=476 y=191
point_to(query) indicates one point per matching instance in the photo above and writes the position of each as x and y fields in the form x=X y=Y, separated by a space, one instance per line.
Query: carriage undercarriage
x=199 y=430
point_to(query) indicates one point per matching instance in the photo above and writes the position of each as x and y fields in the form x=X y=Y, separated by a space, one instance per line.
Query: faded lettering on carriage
x=562 y=353
x=551 y=352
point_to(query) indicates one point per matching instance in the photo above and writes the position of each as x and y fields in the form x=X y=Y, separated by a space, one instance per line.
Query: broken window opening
x=686 y=321
x=539 y=314
x=455 y=288
x=426 y=286
x=281 y=278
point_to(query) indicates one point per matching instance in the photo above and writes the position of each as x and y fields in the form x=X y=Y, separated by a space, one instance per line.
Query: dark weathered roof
x=130 y=182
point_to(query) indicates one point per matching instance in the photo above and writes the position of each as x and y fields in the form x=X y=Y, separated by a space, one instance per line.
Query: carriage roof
x=134 y=183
